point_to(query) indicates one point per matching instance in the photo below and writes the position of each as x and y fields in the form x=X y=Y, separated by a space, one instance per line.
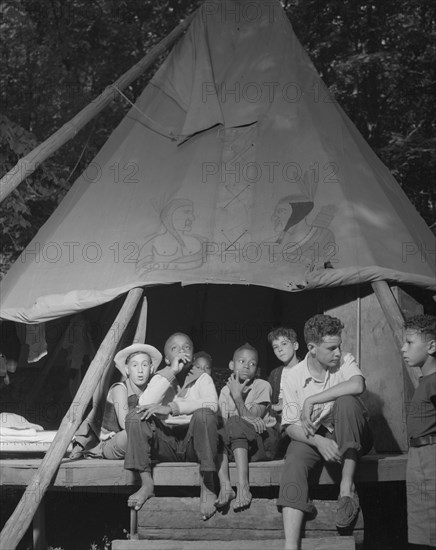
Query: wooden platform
x=98 y=474
x=179 y=518
x=334 y=543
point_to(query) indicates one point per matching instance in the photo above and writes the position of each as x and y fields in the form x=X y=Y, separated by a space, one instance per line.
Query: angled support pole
x=141 y=329
x=394 y=317
x=21 y=518
x=28 y=164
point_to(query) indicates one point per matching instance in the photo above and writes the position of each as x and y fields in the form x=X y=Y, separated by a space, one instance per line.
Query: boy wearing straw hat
x=137 y=363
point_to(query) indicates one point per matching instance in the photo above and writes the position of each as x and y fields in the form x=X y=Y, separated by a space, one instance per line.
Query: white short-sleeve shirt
x=298 y=384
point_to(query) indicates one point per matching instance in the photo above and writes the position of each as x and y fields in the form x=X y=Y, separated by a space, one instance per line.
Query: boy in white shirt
x=176 y=418
x=325 y=421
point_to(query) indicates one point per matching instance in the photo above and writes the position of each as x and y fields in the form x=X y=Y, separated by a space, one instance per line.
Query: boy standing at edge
x=325 y=422
x=419 y=350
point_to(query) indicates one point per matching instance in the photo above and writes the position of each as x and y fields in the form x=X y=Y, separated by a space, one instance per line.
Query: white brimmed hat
x=121 y=357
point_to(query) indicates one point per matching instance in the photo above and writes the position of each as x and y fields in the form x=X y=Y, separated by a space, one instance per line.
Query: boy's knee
x=205 y=416
x=132 y=417
x=347 y=402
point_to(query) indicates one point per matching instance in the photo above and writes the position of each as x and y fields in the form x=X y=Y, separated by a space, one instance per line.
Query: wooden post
x=28 y=164
x=39 y=538
x=394 y=317
x=141 y=329
x=134 y=524
x=22 y=516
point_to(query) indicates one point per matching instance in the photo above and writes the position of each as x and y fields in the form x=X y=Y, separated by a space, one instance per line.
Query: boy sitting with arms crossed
x=176 y=418
x=419 y=350
x=325 y=422
x=248 y=429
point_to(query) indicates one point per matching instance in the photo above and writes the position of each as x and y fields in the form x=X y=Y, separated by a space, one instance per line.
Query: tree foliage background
x=377 y=58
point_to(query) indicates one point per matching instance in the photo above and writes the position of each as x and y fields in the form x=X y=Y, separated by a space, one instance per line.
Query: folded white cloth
x=17 y=422
x=30 y=435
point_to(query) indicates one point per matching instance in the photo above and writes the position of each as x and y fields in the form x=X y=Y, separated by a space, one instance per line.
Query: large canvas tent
x=236 y=167
x=197 y=184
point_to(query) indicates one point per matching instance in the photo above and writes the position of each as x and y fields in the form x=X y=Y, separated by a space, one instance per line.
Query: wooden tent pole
x=394 y=317
x=141 y=329
x=21 y=518
x=28 y=164
x=95 y=416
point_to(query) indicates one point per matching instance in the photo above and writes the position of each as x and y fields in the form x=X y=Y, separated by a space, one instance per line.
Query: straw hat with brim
x=121 y=357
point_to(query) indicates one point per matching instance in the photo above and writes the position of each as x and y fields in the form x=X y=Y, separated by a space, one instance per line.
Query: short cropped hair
x=172 y=336
x=247 y=346
x=425 y=324
x=204 y=355
x=284 y=332
x=319 y=326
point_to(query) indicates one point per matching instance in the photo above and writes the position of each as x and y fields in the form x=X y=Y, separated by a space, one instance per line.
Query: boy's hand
x=236 y=387
x=258 y=423
x=277 y=407
x=179 y=361
x=150 y=410
x=306 y=418
x=329 y=450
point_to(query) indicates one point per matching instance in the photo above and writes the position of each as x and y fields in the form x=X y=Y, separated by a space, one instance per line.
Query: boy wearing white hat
x=137 y=363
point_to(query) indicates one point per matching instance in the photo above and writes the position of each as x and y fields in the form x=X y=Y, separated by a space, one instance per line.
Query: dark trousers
x=238 y=433
x=351 y=431
x=153 y=441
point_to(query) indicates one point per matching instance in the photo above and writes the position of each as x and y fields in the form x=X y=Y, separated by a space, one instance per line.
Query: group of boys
x=309 y=406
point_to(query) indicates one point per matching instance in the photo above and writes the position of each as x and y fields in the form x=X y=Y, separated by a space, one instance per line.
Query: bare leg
x=347 y=488
x=226 y=491
x=207 y=496
x=243 y=494
x=145 y=492
x=292 y=522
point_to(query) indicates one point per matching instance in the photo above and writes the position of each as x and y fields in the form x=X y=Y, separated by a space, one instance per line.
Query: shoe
x=76 y=452
x=347 y=511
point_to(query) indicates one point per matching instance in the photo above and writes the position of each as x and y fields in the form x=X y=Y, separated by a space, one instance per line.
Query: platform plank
x=262 y=515
x=111 y=473
x=333 y=543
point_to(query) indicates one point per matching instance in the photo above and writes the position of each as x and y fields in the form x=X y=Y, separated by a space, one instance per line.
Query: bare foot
x=207 y=499
x=243 y=498
x=145 y=492
x=227 y=494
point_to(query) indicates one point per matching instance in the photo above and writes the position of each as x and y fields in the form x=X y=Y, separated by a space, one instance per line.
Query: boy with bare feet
x=325 y=421
x=175 y=421
x=248 y=429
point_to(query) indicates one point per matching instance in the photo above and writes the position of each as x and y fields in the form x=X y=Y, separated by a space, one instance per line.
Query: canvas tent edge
x=54 y=306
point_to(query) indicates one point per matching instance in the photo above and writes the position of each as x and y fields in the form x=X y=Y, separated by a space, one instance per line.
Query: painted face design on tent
x=183 y=218
x=282 y=214
x=302 y=241
x=172 y=247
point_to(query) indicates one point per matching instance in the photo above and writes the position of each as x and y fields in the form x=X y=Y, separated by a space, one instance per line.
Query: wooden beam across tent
x=29 y=163
x=21 y=518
